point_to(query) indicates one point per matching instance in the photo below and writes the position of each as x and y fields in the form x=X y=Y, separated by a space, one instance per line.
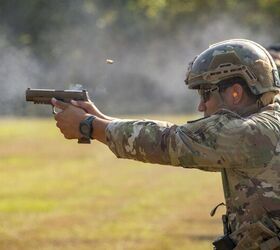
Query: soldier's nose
x=201 y=106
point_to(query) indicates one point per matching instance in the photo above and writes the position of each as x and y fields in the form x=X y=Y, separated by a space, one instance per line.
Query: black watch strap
x=90 y=119
x=89 y=128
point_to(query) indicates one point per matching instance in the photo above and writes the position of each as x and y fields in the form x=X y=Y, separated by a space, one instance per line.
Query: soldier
x=239 y=136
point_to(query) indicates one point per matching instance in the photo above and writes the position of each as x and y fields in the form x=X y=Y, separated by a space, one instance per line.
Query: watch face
x=85 y=129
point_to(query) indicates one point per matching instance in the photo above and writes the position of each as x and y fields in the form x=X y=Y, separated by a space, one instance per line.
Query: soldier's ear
x=237 y=93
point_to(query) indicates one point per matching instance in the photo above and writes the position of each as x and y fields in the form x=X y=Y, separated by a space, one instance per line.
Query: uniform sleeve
x=219 y=141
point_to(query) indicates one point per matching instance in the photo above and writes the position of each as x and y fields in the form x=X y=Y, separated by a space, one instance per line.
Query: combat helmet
x=234 y=58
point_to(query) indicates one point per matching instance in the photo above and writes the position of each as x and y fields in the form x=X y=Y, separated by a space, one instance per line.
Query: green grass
x=57 y=194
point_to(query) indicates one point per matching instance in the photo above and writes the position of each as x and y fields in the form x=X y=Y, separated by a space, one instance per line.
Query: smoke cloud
x=18 y=70
x=146 y=76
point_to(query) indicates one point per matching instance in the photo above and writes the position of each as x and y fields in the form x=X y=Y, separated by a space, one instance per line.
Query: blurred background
x=56 y=44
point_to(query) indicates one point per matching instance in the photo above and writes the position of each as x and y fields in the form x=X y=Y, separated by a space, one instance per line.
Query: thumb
x=59 y=104
x=81 y=104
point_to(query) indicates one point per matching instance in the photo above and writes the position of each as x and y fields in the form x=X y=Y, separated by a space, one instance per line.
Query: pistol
x=44 y=96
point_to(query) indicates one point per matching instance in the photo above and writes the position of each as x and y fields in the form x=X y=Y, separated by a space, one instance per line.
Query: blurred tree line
x=28 y=20
x=128 y=23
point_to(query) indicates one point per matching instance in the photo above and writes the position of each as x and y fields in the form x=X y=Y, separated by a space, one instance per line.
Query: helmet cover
x=234 y=58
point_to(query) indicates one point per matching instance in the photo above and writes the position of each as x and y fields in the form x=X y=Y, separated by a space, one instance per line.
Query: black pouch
x=223 y=243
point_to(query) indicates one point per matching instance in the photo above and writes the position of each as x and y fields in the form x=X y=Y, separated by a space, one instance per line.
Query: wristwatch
x=86 y=128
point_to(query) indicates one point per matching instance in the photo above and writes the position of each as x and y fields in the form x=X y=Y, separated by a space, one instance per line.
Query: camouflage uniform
x=250 y=163
x=244 y=147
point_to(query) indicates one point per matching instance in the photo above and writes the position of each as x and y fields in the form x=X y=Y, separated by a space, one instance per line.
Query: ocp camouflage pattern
x=246 y=150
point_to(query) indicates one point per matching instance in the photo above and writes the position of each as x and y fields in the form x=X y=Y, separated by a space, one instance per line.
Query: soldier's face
x=210 y=101
x=233 y=98
x=209 y=107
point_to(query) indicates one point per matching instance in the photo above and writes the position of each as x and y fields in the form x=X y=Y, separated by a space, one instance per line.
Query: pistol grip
x=84 y=140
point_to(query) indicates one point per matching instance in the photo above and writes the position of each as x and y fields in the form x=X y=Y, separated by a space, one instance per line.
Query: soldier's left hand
x=68 y=119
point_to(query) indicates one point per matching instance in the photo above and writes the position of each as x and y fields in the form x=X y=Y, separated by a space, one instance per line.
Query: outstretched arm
x=220 y=141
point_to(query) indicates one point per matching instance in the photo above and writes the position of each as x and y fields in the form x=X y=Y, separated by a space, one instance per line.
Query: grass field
x=56 y=194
